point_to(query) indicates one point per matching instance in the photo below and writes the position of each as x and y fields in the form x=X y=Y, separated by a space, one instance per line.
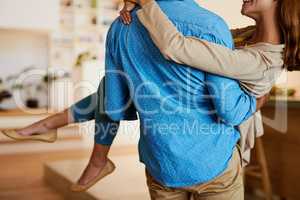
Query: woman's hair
x=289 y=18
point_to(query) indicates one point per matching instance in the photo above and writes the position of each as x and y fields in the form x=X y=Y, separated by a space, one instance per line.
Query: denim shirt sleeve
x=120 y=105
x=106 y=117
x=232 y=104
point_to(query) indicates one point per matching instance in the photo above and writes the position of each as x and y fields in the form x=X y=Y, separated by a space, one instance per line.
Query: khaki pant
x=228 y=186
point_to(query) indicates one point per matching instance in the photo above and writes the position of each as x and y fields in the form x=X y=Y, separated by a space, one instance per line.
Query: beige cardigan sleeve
x=247 y=64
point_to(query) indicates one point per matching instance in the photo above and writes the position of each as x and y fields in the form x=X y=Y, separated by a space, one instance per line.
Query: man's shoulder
x=189 y=11
x=194 y=20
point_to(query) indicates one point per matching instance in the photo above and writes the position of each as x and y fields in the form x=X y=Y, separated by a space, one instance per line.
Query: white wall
x=42 y=15
x=291 y=79
x=230 y=10
x=19 y=49
x=294 y=79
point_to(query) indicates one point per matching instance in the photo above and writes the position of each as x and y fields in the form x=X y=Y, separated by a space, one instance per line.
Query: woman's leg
x=105 y=132
x=97 y=162
x=84 y=110
x=43 y=126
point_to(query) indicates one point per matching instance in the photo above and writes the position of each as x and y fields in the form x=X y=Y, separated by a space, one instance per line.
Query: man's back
x=135 y=54
x=179 y=129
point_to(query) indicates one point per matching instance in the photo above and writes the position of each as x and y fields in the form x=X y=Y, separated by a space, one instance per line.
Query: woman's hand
x=129 y=5
x=260 y=102
x=140 y=2
x=143 y=2
x=125 y=12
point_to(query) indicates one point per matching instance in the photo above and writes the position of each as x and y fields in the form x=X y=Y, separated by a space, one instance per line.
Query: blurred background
x=52 y=54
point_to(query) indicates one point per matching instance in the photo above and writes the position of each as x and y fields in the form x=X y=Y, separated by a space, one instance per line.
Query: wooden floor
x=21 y=176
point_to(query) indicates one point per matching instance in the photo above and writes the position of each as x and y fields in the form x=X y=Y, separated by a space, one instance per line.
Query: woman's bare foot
x=96 y=164
x=92 y=170
x=36 y=128
x=43 y=126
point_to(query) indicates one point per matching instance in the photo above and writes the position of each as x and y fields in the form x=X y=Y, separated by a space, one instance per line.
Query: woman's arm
x=245 y=64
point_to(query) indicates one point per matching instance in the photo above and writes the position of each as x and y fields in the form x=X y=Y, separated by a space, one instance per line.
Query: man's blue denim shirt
x=187 y=117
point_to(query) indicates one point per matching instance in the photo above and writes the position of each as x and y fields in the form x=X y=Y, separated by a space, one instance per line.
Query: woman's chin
x=247 y=13
x=244 y=12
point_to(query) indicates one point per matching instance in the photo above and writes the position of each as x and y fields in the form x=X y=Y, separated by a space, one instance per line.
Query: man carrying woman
x=201 y=163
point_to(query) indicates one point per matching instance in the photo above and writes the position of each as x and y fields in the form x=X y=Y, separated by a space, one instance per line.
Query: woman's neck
x=267 y=31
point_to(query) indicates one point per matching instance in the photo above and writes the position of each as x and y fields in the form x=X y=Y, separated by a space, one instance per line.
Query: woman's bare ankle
x=99 y=155
x=33 y=129
x=98 y=161
x=45 y=125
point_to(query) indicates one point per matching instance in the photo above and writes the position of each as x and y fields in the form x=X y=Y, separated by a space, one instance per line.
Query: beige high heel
x=108 y=169
x=48 y=137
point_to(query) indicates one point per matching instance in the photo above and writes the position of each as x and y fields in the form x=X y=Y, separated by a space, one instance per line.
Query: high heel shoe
x=48 y=137
x=108 y=169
